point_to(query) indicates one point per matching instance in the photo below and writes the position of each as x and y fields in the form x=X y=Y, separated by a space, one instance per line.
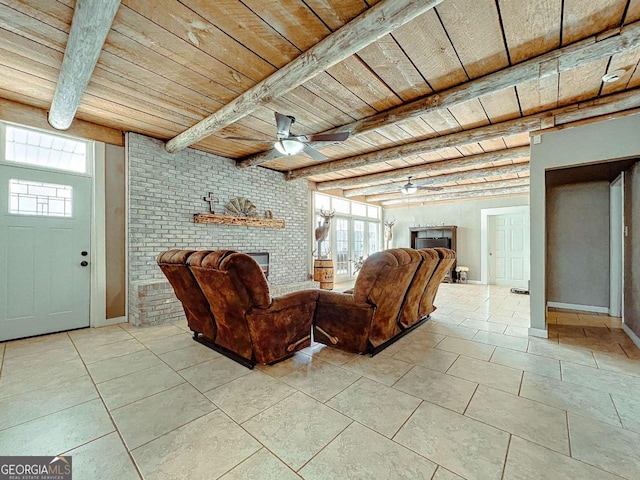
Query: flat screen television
x=433 y=242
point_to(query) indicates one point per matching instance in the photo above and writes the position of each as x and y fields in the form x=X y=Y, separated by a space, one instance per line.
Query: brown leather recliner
x=365 y=320
x=173 y=264
x=447 y=258
x=250 y=324
x=410 y=314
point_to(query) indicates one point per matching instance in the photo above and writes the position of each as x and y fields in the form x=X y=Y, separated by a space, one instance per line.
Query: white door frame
x=98 y=313
x=97 y=299
x=485 y=213
x=616 y=246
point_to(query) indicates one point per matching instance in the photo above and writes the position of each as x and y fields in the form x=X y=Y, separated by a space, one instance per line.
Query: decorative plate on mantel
x=241 y=207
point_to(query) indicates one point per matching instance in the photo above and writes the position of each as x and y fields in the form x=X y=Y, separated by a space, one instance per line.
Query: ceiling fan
x=288 y=144
x=411 y=188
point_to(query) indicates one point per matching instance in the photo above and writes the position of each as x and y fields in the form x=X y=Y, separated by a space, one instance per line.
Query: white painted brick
x=165 y=190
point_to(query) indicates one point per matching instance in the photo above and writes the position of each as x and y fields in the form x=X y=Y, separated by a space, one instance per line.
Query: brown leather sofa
x=447 y=258
x=173 y=264
x=392 y=290
x=367 y=319
x=228 y=306
x=410 y=313
x=247 y=324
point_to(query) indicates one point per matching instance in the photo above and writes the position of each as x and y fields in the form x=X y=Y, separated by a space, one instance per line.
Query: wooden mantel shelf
x=238 y=221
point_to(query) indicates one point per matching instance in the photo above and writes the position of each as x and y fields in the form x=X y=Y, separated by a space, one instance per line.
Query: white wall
x=578 y=244
x=464 y=214
x=596 y=142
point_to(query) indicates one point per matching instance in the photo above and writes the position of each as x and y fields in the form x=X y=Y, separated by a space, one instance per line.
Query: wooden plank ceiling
x=167 y=64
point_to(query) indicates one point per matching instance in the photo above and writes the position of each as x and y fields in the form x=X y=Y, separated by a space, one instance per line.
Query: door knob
x=84 y=263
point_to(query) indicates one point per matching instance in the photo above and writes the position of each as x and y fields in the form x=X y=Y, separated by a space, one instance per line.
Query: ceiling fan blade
x=313 y=153
x=324 y=137
x=283 y=123
x=245 y=139
x=428 y=187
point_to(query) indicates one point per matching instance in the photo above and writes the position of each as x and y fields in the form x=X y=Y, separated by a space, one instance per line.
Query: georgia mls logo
x=35 y=468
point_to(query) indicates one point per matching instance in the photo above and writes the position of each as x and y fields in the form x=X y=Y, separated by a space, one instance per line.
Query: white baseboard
x=109 y=321
x=634 y=338
x=538 y=332
x=581 y=308
x=475 y=282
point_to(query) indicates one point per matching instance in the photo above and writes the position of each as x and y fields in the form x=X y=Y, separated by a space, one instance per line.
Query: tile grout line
x=615 y=407
x=129 y=452
x=469 y=402
x=261 y=411
x=115 y=426
x=4 y=352
x=256 y=453
x=407 y=421
x=331 y=441
x=48 y=414
x=506 y=456
x=170 y=431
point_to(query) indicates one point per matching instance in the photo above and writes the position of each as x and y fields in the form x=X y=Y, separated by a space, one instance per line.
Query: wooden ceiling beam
x=599 y=46
x=591 y=108
x=431 y=168
x=91 y=23
x=517 y=168
x=492 y=192
x=24 y=114
x=465 y=137
x=374 y=23
x=467 y=187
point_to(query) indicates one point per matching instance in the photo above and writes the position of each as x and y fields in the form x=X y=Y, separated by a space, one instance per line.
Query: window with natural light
x=354 y=233
x=37 y=198
x=40 y=149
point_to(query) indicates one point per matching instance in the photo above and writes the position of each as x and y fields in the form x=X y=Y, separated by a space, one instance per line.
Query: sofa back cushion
x=233 y=283
x=173 y=264
x=447 y=258
x=383 y=281
x=410 y=313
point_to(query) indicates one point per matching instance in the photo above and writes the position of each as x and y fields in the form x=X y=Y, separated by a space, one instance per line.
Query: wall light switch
x=536 y=139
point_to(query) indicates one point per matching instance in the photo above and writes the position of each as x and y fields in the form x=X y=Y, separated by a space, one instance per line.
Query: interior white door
x=509 y=250
x=44 y=241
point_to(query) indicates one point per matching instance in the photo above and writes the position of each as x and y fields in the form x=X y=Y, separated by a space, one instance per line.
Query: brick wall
x=165 y=190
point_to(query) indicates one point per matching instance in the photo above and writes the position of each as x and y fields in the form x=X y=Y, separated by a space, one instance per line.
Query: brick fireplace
x=165 y=190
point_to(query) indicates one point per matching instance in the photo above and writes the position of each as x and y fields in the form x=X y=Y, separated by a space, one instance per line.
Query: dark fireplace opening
x=263 y=260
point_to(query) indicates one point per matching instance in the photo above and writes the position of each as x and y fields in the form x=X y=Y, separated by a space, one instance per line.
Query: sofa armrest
x=343 y=322
x=337 y=298
x=291 y=299
x=283 y=327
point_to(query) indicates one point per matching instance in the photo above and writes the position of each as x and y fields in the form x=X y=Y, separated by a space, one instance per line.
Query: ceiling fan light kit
x=289 y=144
x=288 y=147
x=409 y=188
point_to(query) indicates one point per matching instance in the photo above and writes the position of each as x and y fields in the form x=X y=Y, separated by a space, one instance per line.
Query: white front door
x=44 y=241
x=509 y=250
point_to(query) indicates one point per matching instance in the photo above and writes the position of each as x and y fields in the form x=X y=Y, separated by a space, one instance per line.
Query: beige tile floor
x=467 y=395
